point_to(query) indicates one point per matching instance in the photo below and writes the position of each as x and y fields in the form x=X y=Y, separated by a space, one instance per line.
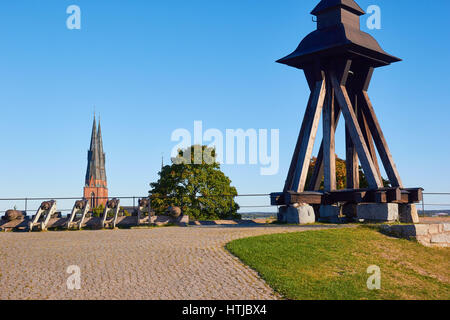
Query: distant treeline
x=430 y=213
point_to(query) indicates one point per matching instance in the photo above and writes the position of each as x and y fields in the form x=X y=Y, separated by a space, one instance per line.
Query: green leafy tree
x=195 y=183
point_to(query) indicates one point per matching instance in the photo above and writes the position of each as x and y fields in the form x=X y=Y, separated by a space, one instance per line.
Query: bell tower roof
x=338 y=35
x=326 y=5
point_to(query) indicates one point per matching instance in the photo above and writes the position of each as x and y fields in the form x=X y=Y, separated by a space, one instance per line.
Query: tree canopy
x=195 y=183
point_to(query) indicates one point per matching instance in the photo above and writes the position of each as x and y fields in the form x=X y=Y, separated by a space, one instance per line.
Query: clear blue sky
x=151 y=67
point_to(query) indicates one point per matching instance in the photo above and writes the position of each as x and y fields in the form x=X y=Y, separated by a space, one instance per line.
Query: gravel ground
x=150 y=264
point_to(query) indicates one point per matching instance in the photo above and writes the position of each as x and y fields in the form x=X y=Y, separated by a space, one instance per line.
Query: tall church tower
x=96 y=187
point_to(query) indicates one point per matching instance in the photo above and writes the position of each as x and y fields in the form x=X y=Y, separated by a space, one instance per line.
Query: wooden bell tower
x=338 y=60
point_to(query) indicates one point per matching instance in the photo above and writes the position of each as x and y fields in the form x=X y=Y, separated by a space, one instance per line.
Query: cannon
x=46 y=205
x=174 y=212
x=13 y=219
x=12 y=215
x=109 y=218
x=43 y=215
x=80 y=207
x=144 y=209
x=113 y=204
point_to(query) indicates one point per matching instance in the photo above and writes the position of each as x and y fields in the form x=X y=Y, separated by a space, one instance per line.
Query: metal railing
x=29 y=205
x=432 y=203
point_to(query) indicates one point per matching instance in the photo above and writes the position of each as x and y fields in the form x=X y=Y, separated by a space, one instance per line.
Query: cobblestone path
x=151 y=264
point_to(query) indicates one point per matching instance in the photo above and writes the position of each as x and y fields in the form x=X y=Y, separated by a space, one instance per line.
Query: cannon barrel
x=113 y=203
x=143 y=202
x=80 y=204
x=174 y=212
x=12 y=215
x=46 y=205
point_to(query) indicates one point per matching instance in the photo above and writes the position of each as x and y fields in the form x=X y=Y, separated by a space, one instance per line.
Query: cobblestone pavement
x=151 y=264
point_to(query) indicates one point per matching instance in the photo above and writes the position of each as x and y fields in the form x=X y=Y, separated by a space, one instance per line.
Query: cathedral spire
x=101 y=153
x=95 y=157
x=96 y=189
x=94 y=134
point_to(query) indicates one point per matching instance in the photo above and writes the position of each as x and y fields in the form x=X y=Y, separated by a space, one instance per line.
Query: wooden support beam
x=310 y=76
x=355 y=133
x=405 y=196
x=351 y=162
x=277 y=199
x=317 y=175
x=291 y=198
x=329 y=153
x=369 y=139
x=377 y=133
x=394 y=195
x=380 y=196
x=351 y=155
x=290 y=176
x=300 y=163
x=415 y=194
x=380 y=142
x=351 y=196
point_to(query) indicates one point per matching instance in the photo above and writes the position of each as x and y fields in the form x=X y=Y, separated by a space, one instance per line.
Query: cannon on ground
x=111 y=213
x=80 y=208
x=43 y=215
x=12 y=219
x=144 y=209
x=174 y=212
x=13 y=215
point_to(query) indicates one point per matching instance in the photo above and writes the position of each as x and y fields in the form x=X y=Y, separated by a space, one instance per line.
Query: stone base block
x=350 y=210
x=378 y=211
x=297 y=214
x=442 y=238
x=330 y=214
x=329 y=211
x=432 y=235
x=282 y=213
x=408 y=213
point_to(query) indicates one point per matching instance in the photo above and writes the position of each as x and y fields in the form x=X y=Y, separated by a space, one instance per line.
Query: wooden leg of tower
x=355 y=132
x=311 y=126
x=317 y=175
x=300 y=163
x=374 y=129
x=352 y=161
x=368 y=138
x=290 y=177
x=380 y=142
x=329 y=154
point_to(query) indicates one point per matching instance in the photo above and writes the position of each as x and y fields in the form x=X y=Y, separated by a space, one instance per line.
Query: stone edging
x=431 y=235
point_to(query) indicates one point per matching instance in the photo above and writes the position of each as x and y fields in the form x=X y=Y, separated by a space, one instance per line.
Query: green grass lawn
x=332 y=264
